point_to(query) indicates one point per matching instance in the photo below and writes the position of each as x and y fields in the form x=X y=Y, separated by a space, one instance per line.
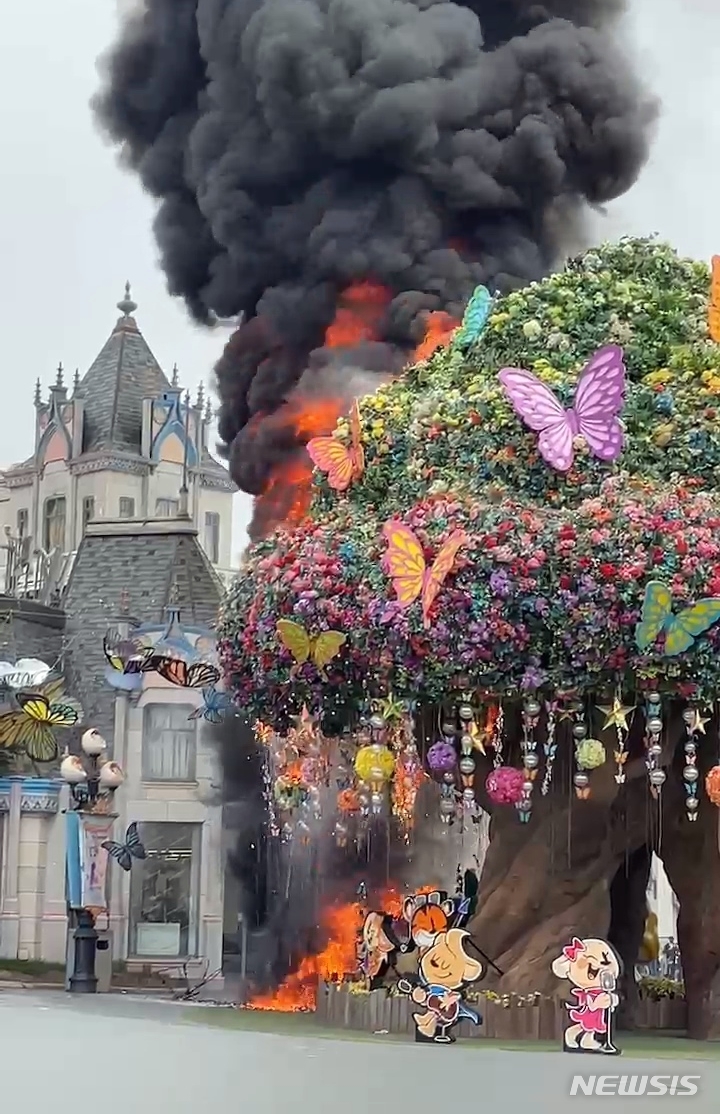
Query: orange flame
x=439 y=328
x=359 y=314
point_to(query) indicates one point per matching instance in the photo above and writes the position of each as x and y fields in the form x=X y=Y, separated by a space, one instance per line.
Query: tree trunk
x=690 y=854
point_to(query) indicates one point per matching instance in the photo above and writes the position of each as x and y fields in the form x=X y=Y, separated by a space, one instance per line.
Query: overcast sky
x=74 y=227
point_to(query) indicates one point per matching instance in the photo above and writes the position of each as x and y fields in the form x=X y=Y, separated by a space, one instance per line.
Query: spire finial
x=208 y=411
x=126 y=305
x=38 y=389
x=200 y=400
x=76 y=380
x=175 y=374
x=59 y=376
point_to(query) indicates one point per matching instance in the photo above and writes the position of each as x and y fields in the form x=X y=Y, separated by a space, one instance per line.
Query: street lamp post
x=93 y=781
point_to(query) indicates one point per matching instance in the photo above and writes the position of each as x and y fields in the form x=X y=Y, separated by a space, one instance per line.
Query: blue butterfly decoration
x=132 y=848
x=213 y=708
x=475 y=318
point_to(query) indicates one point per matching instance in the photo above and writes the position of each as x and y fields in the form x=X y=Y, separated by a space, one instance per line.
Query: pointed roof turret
x=121 y=376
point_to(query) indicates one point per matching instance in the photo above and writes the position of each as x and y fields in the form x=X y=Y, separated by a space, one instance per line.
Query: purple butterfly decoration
x=593 y=415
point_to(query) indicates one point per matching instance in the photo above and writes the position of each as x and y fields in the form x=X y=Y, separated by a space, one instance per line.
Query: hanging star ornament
x=699 y=723
x=616 y=714
x=391 y=708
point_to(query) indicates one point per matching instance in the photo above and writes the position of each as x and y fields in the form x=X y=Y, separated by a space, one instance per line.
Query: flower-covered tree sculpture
x=548 y=590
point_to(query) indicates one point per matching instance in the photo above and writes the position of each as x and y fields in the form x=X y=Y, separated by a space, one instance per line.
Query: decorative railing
x=34 y=574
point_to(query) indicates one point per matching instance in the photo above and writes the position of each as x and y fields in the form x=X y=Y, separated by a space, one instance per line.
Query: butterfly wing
x=333 y=458
x=12 y=725
x=326 y=646
x=684 y=628
x=475 y=318
x=656 y=610
x=404 y=562
x=38 y=742
x=201 y=675
x=64 y=714
x=714 y=306
x=441 y=567
x=111 y=643
x=540 y=410
x=133 y=842
x=295 y=639
x=599 y=399
x=35 y=706
x=119 y=852
x=173 y=670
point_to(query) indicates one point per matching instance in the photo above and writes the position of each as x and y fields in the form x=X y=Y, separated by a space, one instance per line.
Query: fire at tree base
x=503 y=600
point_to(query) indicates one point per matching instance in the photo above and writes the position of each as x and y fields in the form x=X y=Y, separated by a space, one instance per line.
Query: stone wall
x=30 y=630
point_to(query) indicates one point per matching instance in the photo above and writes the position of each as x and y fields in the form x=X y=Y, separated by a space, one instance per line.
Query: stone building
x=120 y=521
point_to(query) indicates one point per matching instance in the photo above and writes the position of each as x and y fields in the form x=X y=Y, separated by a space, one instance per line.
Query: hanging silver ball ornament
x=579 y=731
x=447 y=806
x=449 y=778
x=655 y=750
x=689 y=716
x=657 y=778
x=691 y=774
x=531 y=760
x=524 y=805
x=690 y=748
x=465 y=712
x=692 y=804
x=654 y=725
x=581 y=780
x=377 y=722
x=469 y=796
x=467 y=765
x=448 y=729
x=532 y=708
x=653 y=698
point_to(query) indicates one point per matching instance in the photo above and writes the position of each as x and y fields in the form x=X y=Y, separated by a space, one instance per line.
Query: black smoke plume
x=298 y=146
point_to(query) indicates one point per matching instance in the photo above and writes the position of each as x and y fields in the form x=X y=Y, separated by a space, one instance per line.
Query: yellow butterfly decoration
x=320 y=649
x=30 y=728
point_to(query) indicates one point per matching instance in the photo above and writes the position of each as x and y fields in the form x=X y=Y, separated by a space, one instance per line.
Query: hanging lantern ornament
x=550 y=745
x=531 y=761
x=653 y=746
x=442 y=762
x=694 y=725
x=374 y=766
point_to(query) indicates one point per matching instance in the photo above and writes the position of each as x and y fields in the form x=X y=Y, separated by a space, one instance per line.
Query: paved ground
x=59 y=1055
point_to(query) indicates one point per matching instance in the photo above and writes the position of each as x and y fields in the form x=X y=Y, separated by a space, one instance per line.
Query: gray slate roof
x=151 y=565
x=122 y=375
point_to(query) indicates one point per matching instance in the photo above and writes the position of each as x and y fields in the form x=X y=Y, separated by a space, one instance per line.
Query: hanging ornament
x=505 y=785
x=470 y=739
x=528 y=743
x=409 y=775
x=581 y=780
x=550 y=745
x=498 y=728
x=653 y=746
x=694 y=726
x=374 y=766
x=616 y=716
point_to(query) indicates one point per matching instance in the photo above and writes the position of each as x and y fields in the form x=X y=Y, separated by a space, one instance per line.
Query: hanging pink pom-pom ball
x=505 y=785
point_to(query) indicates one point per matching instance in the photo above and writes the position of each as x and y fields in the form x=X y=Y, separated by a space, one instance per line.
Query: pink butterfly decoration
x=593 y=415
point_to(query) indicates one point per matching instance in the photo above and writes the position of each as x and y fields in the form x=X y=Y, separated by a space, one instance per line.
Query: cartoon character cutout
x=445 y=969
x=593 y=969
x=427 y=916
x=377 y=947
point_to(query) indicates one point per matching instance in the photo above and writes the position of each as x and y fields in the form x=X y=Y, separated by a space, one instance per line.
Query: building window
x=54 y=523
x=164 y=890
x=212 y=536
x=22 y=523
x=169 y=743
x=167 y=508
x=127 y=507
x=88 y=509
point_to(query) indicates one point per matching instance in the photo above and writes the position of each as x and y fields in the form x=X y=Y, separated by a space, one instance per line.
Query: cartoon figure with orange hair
x=593 y=969
x=446 y=967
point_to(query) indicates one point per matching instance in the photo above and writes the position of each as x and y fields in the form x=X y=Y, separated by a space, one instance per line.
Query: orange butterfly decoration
x=714 y=307
x=343 y=465
x=405 y=563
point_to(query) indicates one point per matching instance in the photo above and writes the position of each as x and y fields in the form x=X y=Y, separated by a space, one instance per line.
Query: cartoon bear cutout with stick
x=445 y=968
x=593 y=969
